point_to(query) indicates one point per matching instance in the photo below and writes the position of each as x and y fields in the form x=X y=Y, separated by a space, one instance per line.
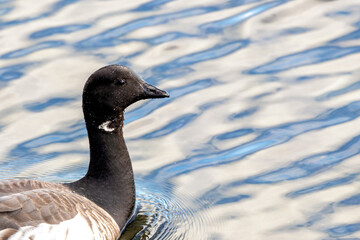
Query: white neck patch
x=105 y=126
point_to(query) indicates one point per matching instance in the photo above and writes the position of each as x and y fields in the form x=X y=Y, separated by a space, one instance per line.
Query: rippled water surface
x=259 y=140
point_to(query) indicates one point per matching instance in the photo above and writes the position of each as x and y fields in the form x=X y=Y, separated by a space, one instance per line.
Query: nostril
x=151 y=88
x=153 y=92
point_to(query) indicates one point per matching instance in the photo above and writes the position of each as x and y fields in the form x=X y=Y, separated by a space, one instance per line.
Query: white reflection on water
x=259 y=139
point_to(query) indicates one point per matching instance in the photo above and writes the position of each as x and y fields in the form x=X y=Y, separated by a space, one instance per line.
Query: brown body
x=28 y=203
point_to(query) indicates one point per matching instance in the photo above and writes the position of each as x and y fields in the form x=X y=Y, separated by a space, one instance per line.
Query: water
x=259 y=139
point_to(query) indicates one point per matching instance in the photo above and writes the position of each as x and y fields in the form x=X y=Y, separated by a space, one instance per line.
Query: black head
x=111 y=89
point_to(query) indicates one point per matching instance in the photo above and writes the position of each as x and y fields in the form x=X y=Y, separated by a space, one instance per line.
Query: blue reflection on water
x=151 y=106
x=181 y=66
x=244 y=113
x=218 y=26
x=26 y=153
x=41 y=106
x=353 y=200
x=307 y=57
x=348 y=37
x=310 y=165
x=326 y=212
x=151 y=5
x=294 y=30
x=5 y=10
x=58 y=30
x=323 y=186
x=112 y=36
x=233 y=199
x=157 y=4
x=272 y=137
x=344 y=230
x=13 y=72
x=4 y=1
x=26 y=51
x=166 y=37
x=234 y=134
x=180 y=122
x=172 y=126
x=350 y=88
x=54 y=9
x=217 y=196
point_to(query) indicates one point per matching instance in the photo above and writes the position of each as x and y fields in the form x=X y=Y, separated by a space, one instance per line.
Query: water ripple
x=13 y=72
x=172 y=126
x=166 y=70
x=5 y=10
x=175 y=93
x=180 y=122
x=214 y=52
x=307 y=57
x=27 y=153
x=41 y=106
x=310 y=165
x=54 y=9
x=111 y=37
x=4 y=1
x=151 y=5
x=351 y=201
x=58 y=30
x=272 y=137
x=344 y=230
x=166 y=37
x=220 y=25
x=323 y=186
x=161 y=215
x=338 y=92
x=244 y=113
x=233 y=134
x=34 y=48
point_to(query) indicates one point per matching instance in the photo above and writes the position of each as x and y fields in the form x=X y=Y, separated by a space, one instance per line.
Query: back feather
x=26 y=207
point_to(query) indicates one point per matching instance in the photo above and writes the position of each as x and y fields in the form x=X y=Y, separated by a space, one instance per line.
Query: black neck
x=109 y=181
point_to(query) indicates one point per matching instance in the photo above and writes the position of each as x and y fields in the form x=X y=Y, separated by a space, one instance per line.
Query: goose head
x=111 y=89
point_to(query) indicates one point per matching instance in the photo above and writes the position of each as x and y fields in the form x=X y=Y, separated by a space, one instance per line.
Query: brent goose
x=99 y=205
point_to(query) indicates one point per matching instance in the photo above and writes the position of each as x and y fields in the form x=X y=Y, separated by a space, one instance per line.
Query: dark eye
x=120 y=81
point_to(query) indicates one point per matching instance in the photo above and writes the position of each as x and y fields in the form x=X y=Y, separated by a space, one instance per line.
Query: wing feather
x=28 y=205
